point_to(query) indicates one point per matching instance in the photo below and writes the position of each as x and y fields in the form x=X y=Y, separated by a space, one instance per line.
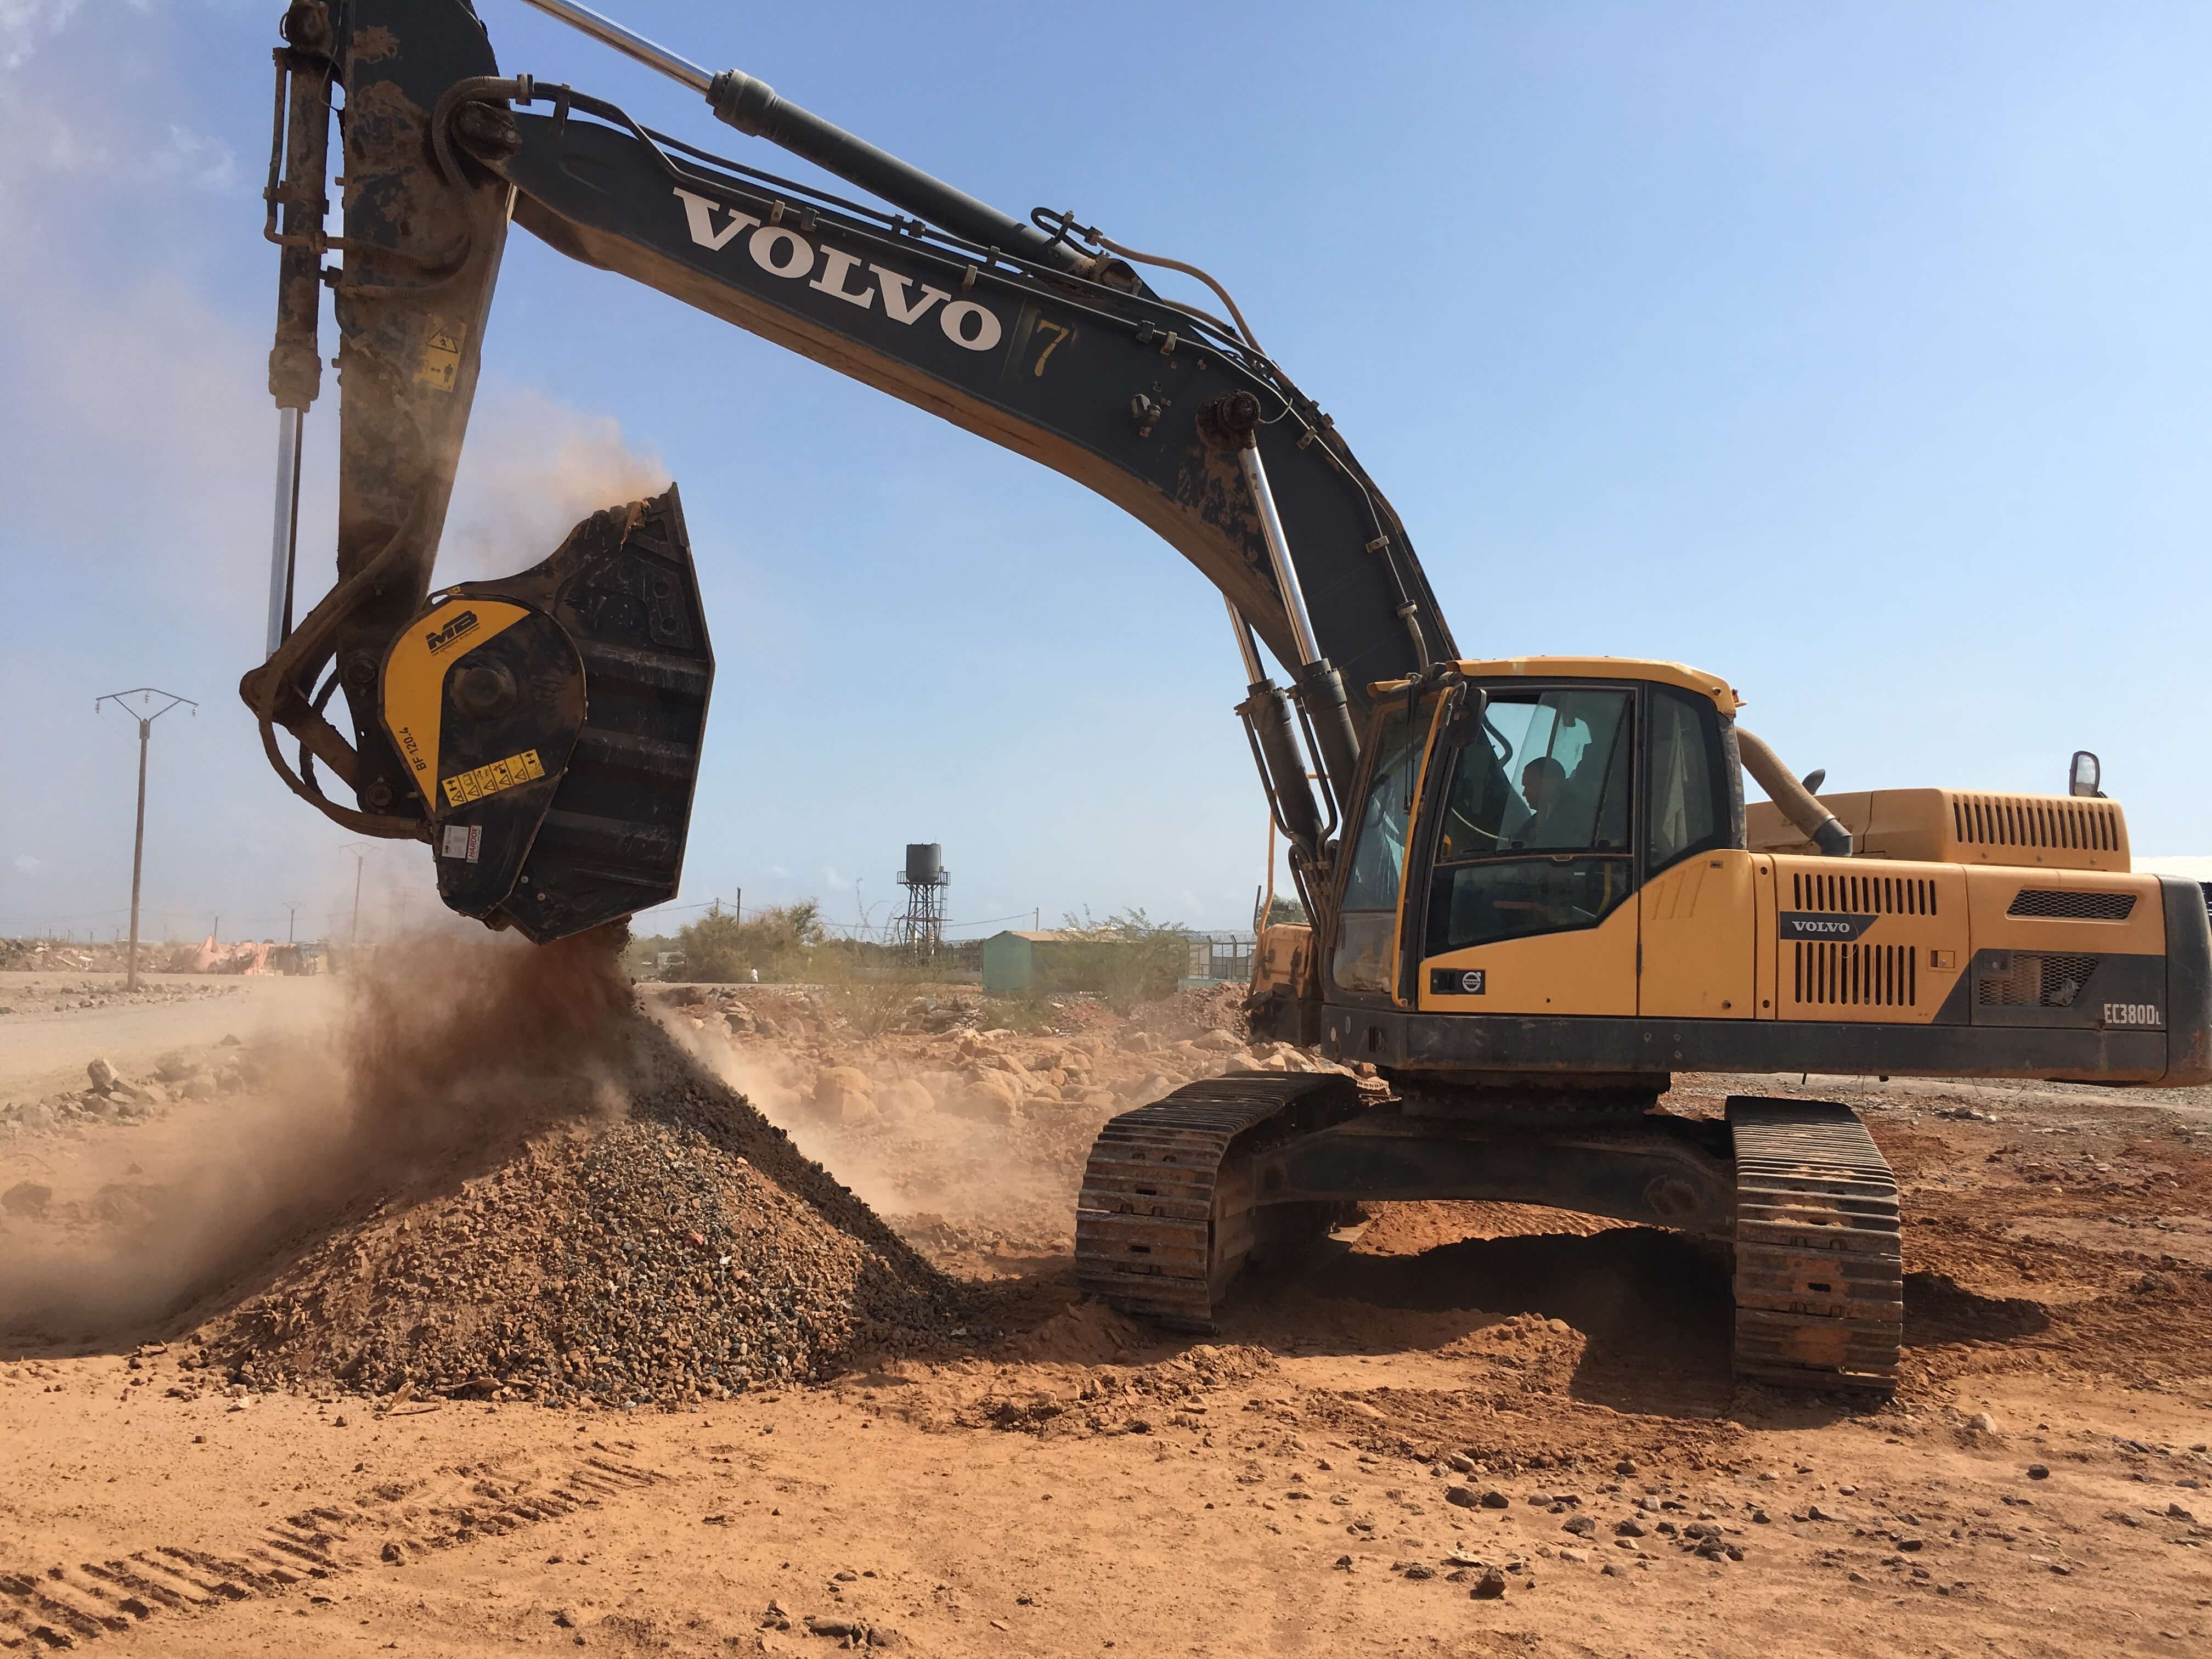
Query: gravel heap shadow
x=684 y=1251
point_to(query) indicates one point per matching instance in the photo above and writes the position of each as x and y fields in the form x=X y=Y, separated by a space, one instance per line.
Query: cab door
x=1530 y=906
x=1701 y=901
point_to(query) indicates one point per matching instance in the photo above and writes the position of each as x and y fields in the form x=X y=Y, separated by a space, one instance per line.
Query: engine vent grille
x=2029 y=980
x=2090 y=826
x=1859 y=975
x=2057 y=904
x=1887 y=895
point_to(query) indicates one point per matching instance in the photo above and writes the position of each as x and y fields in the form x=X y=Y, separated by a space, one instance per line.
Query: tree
x=722 y=946
x=1285 y=910
x=1126 y=959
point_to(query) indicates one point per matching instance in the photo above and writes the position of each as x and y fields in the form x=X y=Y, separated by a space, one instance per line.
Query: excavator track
x=1819 y=1286
x=1166 y=1217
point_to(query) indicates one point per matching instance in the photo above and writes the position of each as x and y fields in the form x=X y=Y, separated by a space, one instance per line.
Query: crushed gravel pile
x=684 y=1251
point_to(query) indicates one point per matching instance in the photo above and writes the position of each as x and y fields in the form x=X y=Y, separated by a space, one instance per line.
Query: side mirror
x=1462 y=724
x=2086 y=774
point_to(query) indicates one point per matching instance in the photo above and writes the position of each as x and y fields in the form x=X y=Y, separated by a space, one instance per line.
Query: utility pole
x=145 y=694
x=360 y=851
x=291 y=918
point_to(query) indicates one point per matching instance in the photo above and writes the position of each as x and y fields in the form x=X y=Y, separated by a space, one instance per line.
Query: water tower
x=921 y=929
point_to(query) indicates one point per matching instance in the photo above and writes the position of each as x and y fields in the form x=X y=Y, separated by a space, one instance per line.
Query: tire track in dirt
x=61 y=1607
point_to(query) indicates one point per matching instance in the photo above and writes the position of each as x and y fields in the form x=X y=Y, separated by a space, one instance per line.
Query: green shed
x=1011 y=960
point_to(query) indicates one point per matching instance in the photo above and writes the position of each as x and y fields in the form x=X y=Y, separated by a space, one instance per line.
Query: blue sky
x=1856 y=354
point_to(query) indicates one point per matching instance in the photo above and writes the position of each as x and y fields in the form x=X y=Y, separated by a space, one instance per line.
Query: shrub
x=1126 y=959
x=722 y=946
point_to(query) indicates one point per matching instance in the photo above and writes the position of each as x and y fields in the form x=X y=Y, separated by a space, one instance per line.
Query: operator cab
x=1529 y=799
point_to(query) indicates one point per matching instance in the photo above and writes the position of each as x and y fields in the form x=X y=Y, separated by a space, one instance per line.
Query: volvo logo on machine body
x=783 y=252
x=1840 y=926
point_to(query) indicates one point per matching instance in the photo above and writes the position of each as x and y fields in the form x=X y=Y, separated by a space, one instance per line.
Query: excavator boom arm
x=1111 y=387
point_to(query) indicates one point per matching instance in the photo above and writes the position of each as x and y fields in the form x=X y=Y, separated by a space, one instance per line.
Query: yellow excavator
x=1536 y=890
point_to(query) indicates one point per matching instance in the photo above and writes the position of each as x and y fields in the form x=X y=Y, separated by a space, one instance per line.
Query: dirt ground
x=51 y=1023
x=1472 y=1430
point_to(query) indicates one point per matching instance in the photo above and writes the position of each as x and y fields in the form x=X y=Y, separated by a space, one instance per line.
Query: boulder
x=905 y=1096
x=172 y=1067
x=201 y=1087
x=101 y=1073
x=845 y=1094
x=1221 y=1042
x=990 y=1096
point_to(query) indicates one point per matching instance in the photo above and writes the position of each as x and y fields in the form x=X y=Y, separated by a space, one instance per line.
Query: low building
x=1016 y=963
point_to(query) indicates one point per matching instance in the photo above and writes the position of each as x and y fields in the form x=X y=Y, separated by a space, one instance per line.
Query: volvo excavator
x=1536 y=890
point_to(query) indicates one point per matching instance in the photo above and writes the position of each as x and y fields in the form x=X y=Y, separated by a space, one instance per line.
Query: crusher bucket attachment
x=553 y=720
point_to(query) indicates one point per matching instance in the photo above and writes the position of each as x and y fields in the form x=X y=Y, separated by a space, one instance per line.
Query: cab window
x=1369 y=920
x=1535 y=829
x=1688 y=812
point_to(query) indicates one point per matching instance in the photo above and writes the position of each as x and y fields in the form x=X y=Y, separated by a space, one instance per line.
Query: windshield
x=1552 y=775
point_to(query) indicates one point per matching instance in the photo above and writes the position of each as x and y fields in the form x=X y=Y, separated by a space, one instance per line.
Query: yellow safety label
x=441 y=359
x=474 y=784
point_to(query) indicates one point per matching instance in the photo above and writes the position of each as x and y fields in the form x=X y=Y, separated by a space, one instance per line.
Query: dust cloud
x=926 y=1145
x=448 y=1051
x=532 y=469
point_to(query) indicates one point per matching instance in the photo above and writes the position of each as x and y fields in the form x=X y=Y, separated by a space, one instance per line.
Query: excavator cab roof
x=1591 y=668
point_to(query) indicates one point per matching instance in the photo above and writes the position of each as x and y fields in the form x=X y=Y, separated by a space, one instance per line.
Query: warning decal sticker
x=465 y=786
x=441 y=359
